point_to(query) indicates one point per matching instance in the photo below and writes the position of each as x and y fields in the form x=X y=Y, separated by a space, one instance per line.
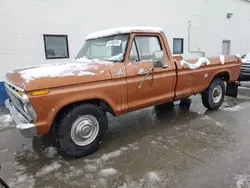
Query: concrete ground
x=178 y=148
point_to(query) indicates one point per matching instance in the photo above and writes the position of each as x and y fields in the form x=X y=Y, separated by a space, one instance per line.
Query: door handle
x=145 y=77
x=143 y=71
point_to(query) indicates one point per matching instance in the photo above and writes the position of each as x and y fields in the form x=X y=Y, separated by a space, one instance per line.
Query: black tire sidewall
x=65 y=142
x=205 y=100
x=216 y=82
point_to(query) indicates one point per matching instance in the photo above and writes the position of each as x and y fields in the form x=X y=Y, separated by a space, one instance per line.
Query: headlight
x=28 y=108
x=20 y=100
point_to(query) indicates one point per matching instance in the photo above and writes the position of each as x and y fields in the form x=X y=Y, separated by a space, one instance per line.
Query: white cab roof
x=122 y=30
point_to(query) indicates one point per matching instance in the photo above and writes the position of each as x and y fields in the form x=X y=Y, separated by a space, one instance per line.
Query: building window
x=178 y=46
x=56 y=46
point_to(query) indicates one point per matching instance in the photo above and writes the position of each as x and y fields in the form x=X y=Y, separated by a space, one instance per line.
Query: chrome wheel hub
x=84 y=130
x=217 y=94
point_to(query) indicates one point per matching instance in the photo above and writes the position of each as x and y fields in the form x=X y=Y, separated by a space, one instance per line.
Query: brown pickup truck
x=117 y=71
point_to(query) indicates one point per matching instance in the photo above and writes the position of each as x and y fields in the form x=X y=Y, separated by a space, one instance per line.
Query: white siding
x=23 y=24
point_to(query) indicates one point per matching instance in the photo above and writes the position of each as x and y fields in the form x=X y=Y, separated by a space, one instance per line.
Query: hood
x=59 y=74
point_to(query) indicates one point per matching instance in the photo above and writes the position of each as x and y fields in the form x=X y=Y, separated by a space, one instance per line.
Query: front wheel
x=81 y=129
x=213 y=97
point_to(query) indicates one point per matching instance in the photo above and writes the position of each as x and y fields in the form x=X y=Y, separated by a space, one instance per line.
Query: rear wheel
x=213 y=97
x=81 y=129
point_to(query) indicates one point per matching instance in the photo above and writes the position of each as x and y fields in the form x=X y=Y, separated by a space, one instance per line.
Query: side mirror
x=159 y=59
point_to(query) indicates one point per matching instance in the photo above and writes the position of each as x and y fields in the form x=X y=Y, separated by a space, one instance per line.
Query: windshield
x=110 y=48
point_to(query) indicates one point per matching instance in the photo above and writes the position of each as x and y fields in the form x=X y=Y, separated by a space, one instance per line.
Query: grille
x=16 y=100
x=245 y=67
x=12 y=87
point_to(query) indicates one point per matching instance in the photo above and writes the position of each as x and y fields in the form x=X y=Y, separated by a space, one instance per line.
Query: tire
x=165 y=106
x=3 y=183
x=185 y=103
x=214 y=96
x=81 y=117
x=204 y=101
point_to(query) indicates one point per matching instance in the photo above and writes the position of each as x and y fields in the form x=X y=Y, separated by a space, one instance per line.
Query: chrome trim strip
x=6 y=80
x=13 y=91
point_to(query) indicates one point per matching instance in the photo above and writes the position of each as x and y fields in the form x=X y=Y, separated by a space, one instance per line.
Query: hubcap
x=84 y=130
x=217 y=94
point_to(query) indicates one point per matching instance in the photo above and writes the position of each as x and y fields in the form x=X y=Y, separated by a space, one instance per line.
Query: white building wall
x=23 y=24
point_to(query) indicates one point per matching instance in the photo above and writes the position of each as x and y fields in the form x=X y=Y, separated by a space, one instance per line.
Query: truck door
x=159 y=85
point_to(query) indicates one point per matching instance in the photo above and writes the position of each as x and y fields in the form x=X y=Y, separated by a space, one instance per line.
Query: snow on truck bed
x=122 y=30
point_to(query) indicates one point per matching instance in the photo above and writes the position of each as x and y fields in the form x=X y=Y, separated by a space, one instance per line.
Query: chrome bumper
x=26 y=128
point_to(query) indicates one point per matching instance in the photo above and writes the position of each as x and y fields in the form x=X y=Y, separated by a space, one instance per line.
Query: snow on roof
x=121 y=30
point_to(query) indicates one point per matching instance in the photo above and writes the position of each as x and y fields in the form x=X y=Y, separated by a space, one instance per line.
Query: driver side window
x=143 y=48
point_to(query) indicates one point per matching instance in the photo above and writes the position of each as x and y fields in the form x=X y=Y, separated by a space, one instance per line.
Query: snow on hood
x=59 y=70
x=59 y=74
x=122 y=30
x=91 y=61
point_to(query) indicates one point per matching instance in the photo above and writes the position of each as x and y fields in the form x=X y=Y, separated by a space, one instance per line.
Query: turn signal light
x=40 y=92
x=20 y=93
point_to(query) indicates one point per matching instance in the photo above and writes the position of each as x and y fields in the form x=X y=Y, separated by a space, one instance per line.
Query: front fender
x=47 y=106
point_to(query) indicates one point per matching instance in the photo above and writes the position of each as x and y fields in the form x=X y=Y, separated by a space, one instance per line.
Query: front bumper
x=26 y=128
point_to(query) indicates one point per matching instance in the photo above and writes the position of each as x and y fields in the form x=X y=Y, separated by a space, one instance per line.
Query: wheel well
x=224 y=76
x=101 y=103
x=98 y=102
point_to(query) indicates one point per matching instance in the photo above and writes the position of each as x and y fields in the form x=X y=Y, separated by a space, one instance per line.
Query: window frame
x=137 y=50
x=182 y=45
x=56 y=35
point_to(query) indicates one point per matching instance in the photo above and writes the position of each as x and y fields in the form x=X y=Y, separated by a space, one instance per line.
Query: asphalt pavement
x=152 y=147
